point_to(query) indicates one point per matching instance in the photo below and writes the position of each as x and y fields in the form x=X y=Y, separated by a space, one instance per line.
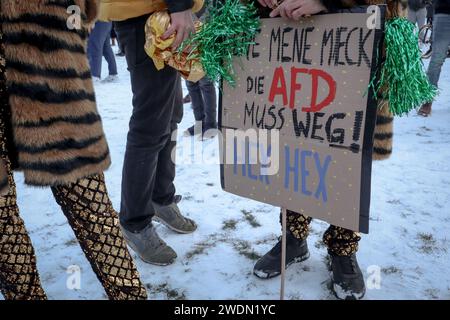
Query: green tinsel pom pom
x=403 y=81
x=229 y=29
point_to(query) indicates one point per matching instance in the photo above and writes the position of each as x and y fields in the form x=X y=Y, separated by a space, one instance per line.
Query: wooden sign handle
x=283 y=252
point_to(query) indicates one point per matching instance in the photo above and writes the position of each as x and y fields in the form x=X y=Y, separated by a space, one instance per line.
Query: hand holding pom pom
x=162 y=49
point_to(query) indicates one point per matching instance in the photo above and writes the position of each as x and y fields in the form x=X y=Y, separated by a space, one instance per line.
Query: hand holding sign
x=295 y=9
x=303 y=85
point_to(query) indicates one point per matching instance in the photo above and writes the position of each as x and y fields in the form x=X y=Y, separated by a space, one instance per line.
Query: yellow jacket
x=118 y=10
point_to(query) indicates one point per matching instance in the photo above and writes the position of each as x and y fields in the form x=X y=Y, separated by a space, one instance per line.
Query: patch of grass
x=200 y=247
x=174 y=294
x=266 y=240
x=426 y=237
x=251 y=219
x=319 y=244
x=306 y=268
x=244 y=248
x=169 y=292
x=428 y=242
x=71 y=242
x=394 y=201
x=198 y=250
x=229 y=224
x=425 y=128
x=188 y=197
x=432 y=293
x=390 y=270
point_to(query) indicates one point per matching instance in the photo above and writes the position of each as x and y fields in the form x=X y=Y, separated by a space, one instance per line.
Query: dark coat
x=416 y=4
x=441 y=6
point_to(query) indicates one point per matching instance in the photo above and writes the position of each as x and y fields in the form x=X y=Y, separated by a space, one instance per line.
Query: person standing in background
x=417 y=12
x=120 y=52
x=347 y=280
x=204 y=101
x=99 y=46
x=430 y=11
x=441 y=43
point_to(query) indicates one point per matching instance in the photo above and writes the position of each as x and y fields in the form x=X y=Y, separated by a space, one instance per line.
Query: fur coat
x=57 y=132
x=382 y=147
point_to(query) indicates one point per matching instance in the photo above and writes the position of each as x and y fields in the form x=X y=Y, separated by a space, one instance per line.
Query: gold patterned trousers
x=340 y=241
x=90 y=214
x=96 y=226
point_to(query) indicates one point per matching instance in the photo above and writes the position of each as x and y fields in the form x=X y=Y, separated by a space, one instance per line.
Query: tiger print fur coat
x=382 y=147
x=57 y=132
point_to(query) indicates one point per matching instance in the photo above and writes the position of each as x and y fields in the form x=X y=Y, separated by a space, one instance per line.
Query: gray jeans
x=441 y=42
x=203 y=96
x=419 y=16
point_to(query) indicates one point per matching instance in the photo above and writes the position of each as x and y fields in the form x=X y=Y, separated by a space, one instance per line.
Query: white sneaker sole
x=342 y=294
x=265 y=275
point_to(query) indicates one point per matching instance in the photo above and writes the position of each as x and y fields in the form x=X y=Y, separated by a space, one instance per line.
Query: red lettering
x=279 y=88
x=294 y=85
x=316 y=73
x=275 y=89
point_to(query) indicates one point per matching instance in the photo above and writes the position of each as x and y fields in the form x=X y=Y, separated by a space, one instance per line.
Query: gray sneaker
x=172 y=218
x=149 y=246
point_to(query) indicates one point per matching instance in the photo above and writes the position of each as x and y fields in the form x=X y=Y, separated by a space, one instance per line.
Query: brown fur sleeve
x=91 y=10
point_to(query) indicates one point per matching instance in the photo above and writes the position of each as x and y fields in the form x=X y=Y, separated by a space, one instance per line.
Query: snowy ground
x=408 y=243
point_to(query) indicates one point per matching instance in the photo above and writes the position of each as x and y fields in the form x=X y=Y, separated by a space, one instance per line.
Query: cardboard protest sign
x=298 y=126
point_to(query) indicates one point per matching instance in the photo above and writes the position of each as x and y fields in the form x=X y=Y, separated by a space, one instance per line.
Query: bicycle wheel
x=425 y=40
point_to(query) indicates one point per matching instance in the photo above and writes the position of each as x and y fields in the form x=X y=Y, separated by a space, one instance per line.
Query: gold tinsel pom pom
x=161 y=52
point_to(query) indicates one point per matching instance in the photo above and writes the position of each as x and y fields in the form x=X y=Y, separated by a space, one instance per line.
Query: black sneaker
x=187 y=99
x=269 y=265
x=189 y=132
x=209 y=131
x=197 y=129
x=346 y=277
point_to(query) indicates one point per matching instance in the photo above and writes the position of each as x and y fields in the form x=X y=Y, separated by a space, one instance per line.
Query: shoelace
x=154 y=235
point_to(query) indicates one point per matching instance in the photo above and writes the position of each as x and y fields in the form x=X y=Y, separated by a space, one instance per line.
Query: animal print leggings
x=90 y=214
x=340 y=241
x=96 y=226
